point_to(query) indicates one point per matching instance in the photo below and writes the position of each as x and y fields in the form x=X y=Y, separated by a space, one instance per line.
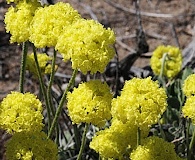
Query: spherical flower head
x=88 y=44
x=43 y=60
x=189 y=109
x=116 y=141
x=31 y=145
x=154 y=148
x=141 y=101
x=173 y=61
x=21 y=112
x=189 y=85
x=90 y=103
x=48 y=23
x=17 y=20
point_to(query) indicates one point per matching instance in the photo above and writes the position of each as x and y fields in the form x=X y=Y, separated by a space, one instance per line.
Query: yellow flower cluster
x=31 y=145
x=18 y=20
x=189 y=109
x=21 y=112
x=48 y=23
x=154 y=148
x=189 y=85
x=42 y=60
x=88 y=44
x=189 y=90
x=141 y=101
x=173 y=61
x=90 y=103
x=61 y=26
x=116 y=141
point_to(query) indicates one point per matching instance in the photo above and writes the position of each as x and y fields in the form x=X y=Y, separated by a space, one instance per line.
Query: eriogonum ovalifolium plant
x=18 y=20
x=172 y=62
x=141 y=101
x=189 y=85
x=189 y=109
x=21 y=112
x=88 y=44
x=189 y=90
x=154 y=148
x=31 y=146
x=42 y=60
x=48 y=23
x=118 y=140
x=124 y=122
x=90 y=103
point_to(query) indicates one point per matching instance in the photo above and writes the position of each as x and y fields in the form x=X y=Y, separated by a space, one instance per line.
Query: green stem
x=163 y=65
x=138 y=136
x=187 y=138
x=161 y=130
x=192 y=142
x=49 y=89
x=83 y=142
x=162 y=81
x=76 y=136
x=23 y=66
x=162 y=70
x=42 y=87
x=50 y=84
x=59 y=109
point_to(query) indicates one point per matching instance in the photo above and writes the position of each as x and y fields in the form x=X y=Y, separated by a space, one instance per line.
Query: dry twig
x=132 y=11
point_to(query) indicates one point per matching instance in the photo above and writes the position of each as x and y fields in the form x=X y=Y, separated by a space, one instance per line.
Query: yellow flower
x=141 y=101
x=18 y=19
x=21 y=112
x=189 y=86
x=48 y=23
x=17 y=1
x=90 y=103
x=154 y=148
x=88 y=44
x=31 y=145
x=173 y=61
x=189 y=109
x=116 y=141
x=42 y=59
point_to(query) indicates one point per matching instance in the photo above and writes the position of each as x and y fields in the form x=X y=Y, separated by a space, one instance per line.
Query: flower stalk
x=59 y=109
x=51 y=82
x=83 y=142
x=42 y=88
x=191 y=146
x=23 y=66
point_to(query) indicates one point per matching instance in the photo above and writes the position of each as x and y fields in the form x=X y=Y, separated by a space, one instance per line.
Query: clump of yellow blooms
x=189 y=90
x=141 y=101
x=21 y=112
x=17 y=20
x=31 y=145
x=43 y=60
x=88 y=44
x=189 y=109
x=173 y=61
x=90 y=103
x=154 y=148
x=48 y=23
x=189 y=85
x=116 y=141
